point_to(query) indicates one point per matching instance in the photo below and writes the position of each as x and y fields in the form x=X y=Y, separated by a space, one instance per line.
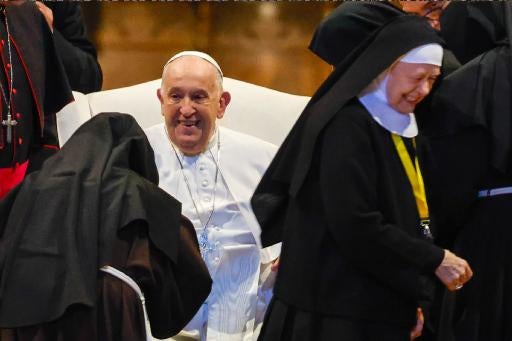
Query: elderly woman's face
x=408 y=84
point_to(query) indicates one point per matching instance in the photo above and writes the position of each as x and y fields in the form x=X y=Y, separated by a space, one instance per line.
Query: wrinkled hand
x=453 y=271
x=418 y=328
x=46 y=12
x=275 y=265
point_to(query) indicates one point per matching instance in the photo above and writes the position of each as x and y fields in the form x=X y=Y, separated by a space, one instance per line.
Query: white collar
x=387 y=117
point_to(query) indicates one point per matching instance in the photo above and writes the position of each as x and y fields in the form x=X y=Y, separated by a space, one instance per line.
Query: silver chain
x=4 y=95
x=188 y=184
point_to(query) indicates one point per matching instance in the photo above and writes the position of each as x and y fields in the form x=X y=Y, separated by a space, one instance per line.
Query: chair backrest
x=255 y=110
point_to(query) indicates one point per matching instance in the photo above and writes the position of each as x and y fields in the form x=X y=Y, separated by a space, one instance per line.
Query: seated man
x=213 y=171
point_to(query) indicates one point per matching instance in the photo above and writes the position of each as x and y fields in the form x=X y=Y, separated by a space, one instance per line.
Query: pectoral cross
x=205 y=246
x=9 y=123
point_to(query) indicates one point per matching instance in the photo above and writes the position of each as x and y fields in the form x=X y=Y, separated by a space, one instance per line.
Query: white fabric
x=376 y=102
x=229 y=311
x=494 y=191
x=380 y=93
x=388 y=118
x=72 y=116
x=425 y=54
x=254 y=110
x=235 y=308
x=132 y=284
x=244 y=160
x=199 y=54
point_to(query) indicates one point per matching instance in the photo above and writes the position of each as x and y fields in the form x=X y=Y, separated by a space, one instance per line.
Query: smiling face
x=408 y=84
x=191 y=99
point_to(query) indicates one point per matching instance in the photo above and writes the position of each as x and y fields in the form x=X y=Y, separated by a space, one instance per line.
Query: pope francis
x=213 y=171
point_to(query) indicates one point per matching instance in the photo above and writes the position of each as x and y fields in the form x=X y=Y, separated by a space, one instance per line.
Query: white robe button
x=205 y=183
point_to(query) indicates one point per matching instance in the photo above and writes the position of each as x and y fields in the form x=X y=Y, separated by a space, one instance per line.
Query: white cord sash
x=128 y=280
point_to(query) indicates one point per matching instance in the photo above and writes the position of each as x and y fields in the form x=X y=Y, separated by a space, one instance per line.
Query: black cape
x=103 y=181
x=478 y=94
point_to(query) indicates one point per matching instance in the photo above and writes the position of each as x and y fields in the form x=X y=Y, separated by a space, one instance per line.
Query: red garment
x=10 y=177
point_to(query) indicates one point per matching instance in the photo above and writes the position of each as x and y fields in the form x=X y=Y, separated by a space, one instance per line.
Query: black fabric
x=478 y=93
x=411 y=149
x=472 y=30
x=23 y=108
x=453 y=169
x=338 y=198
x=102 y=180
x=347 y=26
x=481 y=309
x=351 y=237
x=74 y=47
x=286 y=323
x=287 y=172
x=49 y=89
x=468 y=151
x=172 y=293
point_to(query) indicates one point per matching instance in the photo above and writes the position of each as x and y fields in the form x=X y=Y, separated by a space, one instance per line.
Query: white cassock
x=240 y=269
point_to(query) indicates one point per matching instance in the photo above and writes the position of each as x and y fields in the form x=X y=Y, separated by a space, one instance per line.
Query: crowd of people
x=381 y=217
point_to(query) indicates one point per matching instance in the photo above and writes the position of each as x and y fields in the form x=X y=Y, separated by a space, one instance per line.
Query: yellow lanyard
x=414 y=175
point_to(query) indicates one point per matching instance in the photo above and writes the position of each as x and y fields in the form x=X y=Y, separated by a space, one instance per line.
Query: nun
x=345 y=196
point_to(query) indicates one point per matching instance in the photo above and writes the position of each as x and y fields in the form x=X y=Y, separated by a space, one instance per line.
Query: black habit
x=338 y=198
x=97 y=203
x=470 y=151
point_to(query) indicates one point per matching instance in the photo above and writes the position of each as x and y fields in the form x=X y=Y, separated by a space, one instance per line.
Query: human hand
x=418 y=328
x=46 y=12
x=453 y=271
x=275 y=265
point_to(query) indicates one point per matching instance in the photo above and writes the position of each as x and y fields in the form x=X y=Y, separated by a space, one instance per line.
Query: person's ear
x=160 y=98
x=159 y=95
x=224 y=100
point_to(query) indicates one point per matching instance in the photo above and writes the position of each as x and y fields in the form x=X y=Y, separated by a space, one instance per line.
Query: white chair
x=254 y=110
